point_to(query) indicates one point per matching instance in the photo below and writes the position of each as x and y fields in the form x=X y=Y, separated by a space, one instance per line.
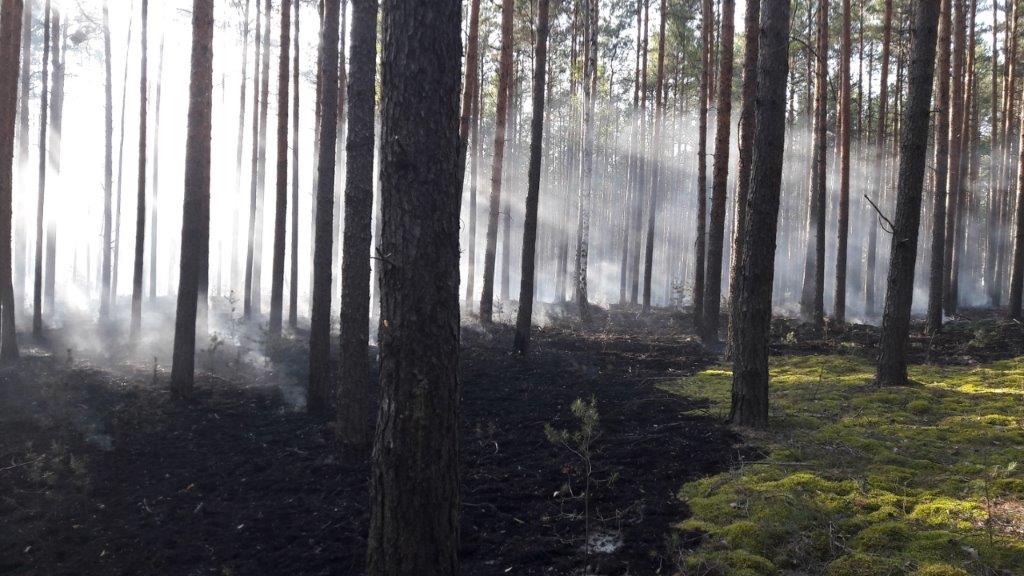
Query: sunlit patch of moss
x=939 y=570
x=728 y=563
x=858 y=480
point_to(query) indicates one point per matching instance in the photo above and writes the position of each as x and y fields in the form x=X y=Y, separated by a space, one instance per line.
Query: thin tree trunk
x=473 y=189
x=892 y=360
x=956 y=138
x=526 y=280
x=37 y=287
x=843 y=233
x=195 y=224
x=293 y=295
x=586 y=161
x=719 y=180
x=261 y=169
x=812 y=300
x=754 y=302
x=991 y=228
x=707 y=21
x=10 y=46
x=414 y=483
x=108 y=167
x=20 y=232
x=318 y=391
x=942 y=163
x=355 y=393
x=879 y=177
x=501 y=118
x=120 y=166
x=281 y=208
x=659 y=119
x=957 y=229
x=140 y=208
x=250 y=256
x=239 y=151
x=156 y=176
x=57 y=49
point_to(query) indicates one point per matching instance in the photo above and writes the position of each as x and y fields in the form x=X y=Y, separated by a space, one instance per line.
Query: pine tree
x=10 y=46
x=140 y=203
x=281 y=207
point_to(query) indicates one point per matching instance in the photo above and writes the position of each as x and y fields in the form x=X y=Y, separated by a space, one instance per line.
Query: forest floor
x=102 y=473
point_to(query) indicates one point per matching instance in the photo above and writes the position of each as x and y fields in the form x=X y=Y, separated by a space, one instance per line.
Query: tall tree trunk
x=640 y=187
x=340 y=159
x=261 y=168
x=108 y=167
x=812 y=300
x=707 y=21
x=586 y=160
x=281 y=208
x=719 y=180
x=956 y=231
x=751 y=31
x=754 y=303
x=140 y=207
x=942 y=163
x=843 y=232
x=318 y=390
x=156 y=176
x=659 y=119
x=892 y=359
x=355 y=393
x=20 y=232
x=116 y=247
x=991 y=228
x=526 y=279
x=37 y=286
x=293 y=295
x=474 y=166
x=239 y=150
x=879 y=161
x=54 y=153
x=10 y=46
x=195 y=222
x=414 y=483
x=956 y=138
x=501 y=119
x=250 y=256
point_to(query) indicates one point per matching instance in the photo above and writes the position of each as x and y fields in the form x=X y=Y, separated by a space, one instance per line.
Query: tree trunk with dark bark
x=319 y=386
x=20 y=231
x=586 y=180
x=140 y=203
x=37 y=285
x=754 y=303
x=58 y=50
x=812 y=299
x=879 y=162
x=845 y=127
x=281 y=207
x=355 y=392
x=707 y=21
x=892 y=359
x=250 y=256
x=942 y=158
x=108 y=167
x=526 y=281
x=156 y=176
x=10 y=46
x=957 y=136
x=195 y=222
x=501 y=119
x=719 y=180
x=239 y=151
x=656 y=147
x=414 y=483
x=293 y=295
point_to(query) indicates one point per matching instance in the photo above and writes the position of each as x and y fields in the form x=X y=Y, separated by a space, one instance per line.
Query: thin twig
x=882 y=219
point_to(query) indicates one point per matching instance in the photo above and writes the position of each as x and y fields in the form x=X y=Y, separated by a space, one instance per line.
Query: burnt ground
x=102 y=473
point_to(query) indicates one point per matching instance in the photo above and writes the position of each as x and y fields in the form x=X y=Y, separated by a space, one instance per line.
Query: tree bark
x=57 y=49
x=843 y=229
x=355 y=395
x=281 y=208
x=250 y=256
x=240 y=151
x=195 y=223
x=719 y=180
x=37 y=287
x=414 y=483
x=526 y=281
x=879 y=162
x=754 y=303
x=501 y=119
x=10 y=46
x=748 y=105
x=108 y=167
x=707 y=21
x=21 y=234
x=659 y=119
x=892 y=359
x=586 y=180
x=140 y=205
x=956 y=139
x=293 y=295
x=156 y=176
x=812 y=301
x=942 y=160
x=318 y=390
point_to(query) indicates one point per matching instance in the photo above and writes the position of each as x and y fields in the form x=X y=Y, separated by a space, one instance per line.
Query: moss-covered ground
x=861 y=481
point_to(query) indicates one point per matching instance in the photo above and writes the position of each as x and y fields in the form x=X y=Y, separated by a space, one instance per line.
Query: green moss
x=864 y=565
x=884 y=537
x=939 y=570
x=867 y=481
x=729 y=563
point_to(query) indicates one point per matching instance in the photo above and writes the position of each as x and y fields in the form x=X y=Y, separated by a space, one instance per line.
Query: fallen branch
x=882 y=219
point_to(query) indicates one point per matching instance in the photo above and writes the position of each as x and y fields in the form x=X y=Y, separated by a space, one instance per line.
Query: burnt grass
x=101 y=472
